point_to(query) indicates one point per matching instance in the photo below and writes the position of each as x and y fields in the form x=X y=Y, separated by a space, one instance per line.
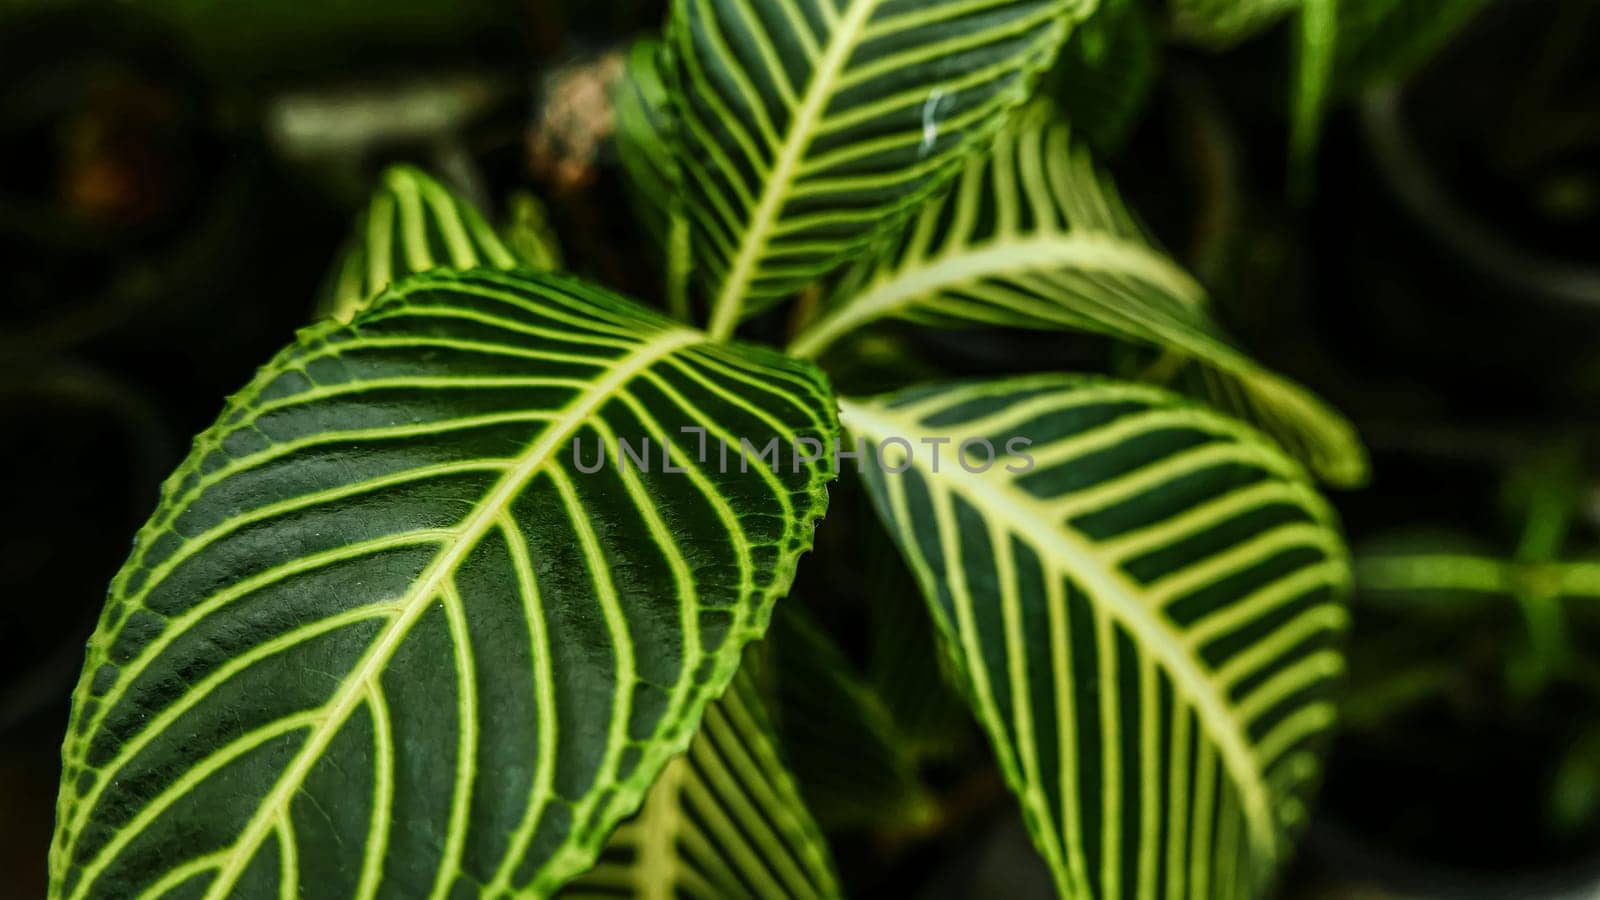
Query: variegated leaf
x=389 y=634
x=808 y=127
x=1144 y=599
x=1034 y=236
x=724 y=820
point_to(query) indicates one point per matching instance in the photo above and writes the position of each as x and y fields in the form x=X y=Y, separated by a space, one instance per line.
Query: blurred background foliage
x=1395 y=201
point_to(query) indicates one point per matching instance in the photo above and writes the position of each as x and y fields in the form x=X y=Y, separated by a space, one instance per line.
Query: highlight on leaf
x=385 y=636
x=1146 y=606
x=1034 y=236
x=806 y=128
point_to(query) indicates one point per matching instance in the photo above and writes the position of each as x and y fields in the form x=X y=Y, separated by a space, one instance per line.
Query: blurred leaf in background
x=1108 y=71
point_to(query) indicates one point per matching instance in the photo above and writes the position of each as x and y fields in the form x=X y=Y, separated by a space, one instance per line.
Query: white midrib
x=1089 y=252
x=1117 y=596
x=419 y=599
x=730 y=299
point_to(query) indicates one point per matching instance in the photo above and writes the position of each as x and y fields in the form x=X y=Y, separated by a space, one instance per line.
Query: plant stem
x=1436 y=571
x=678 y=268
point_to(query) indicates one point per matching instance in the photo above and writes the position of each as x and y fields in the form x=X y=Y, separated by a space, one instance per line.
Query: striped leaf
x=724 y=820
x=644 y=134
x=854 y=767
x=808 y=127
x=413 y=224
x=1034 y=236
x=385 y=636
x=1145 y=606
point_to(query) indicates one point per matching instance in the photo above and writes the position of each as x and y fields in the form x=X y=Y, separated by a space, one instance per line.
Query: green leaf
x=1108 y=71
x=413 y=224
x=1347 y=46
x=724 y=820
x=644 y=130
x=644 y=135
x=382 y=637
x=1315 y=50
x=1033 y=236
x=854 y=767
x=809 y=127
x=1220 y=24
x=1145 y=604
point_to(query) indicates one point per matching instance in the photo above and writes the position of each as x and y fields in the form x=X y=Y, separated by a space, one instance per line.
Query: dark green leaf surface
x=724 y=820
x=383 y=638
x=1147 y=619
x=807 y=127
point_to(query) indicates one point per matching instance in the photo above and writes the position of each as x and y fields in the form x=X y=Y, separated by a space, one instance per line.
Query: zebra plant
x=463 y=594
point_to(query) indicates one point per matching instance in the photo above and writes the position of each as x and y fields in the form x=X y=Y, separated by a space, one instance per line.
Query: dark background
x=176 y=175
